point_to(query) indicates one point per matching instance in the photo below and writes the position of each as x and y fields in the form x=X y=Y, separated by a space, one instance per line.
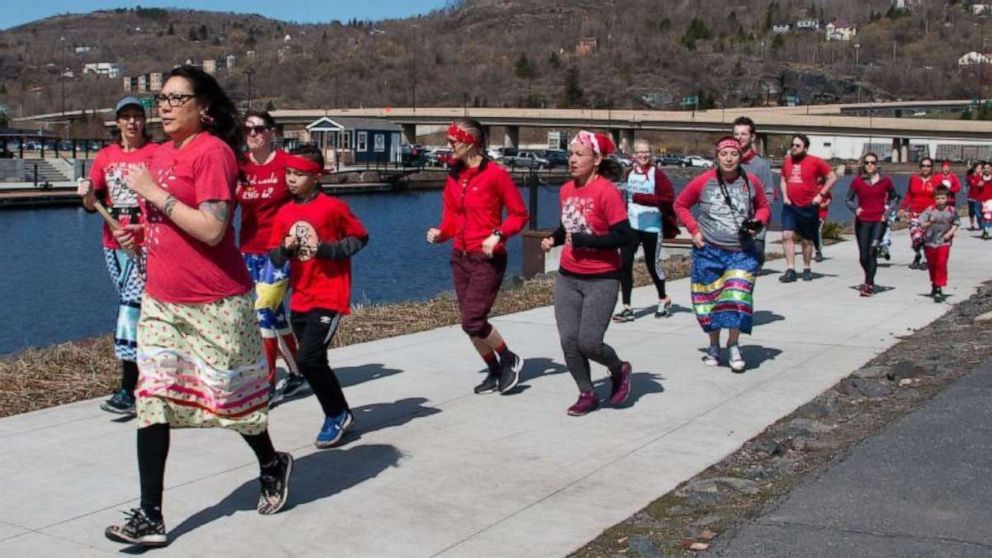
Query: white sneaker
x=712 y=356
x=737 y=363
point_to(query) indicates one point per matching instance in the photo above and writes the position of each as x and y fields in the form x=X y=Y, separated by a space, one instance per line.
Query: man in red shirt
x=806 y=181
x=949 y=180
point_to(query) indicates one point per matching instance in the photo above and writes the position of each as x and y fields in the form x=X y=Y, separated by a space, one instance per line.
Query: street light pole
x=249 y=72
x=62 y=72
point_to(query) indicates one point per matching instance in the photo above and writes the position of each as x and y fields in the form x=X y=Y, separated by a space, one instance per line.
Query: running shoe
x=939 y=297
x=737 y=363
x=138 y=529
x=120 y=403
x=712 y=356
x=509 y=372
x=883 y=252
x=587 y=403
x=625 y=315
x=275 y=488
x=664 y=309
x=489 y=385
x=819 y=256
x=866 y=290
x=293 y=385
x=788 y=277
x=807 y=275
x=333 y=430
x=620 y=385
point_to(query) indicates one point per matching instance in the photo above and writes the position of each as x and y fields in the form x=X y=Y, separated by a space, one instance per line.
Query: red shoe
x=620 y=389
x=866 y=290
x=587 y=403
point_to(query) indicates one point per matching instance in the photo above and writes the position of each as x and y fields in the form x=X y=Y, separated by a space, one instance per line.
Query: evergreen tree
x=573 y=96
x=172 y=29
x=524 y=69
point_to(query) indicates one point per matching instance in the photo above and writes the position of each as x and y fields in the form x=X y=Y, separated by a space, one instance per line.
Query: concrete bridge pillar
x=904 y=150
x=896 y=150
x=485 y=135
x=760 y=142
x=409 y=133
x=626 y=144
x=615 y=136
x=511 y=137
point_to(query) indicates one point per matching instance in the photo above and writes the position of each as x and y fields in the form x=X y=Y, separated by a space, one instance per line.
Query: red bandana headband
x=728 y=143
x=462 y=136
x=303 y=164
x=601 y=144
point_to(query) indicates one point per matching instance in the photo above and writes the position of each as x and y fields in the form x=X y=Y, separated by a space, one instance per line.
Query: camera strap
x=730 y=203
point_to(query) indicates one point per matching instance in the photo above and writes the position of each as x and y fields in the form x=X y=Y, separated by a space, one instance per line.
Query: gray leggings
x=583 y=308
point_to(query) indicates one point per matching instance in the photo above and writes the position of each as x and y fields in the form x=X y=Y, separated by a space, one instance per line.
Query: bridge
x=850 y=120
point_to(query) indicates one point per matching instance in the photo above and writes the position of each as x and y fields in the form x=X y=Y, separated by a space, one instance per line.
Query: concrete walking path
x=434 y=470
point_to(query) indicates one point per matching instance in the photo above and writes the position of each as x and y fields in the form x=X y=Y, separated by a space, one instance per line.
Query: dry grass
x=48 y=376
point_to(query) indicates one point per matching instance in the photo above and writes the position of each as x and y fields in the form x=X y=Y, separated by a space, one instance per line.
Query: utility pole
x=62 y=72
x=249 y=72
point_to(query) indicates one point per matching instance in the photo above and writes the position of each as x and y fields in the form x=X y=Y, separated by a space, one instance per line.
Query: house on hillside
x=103 y=69
x=974 y=57
x=586 y=46
x=780 y=28
x=350 y=140
x=841 y=30
x=981 y=9
x=808 y=24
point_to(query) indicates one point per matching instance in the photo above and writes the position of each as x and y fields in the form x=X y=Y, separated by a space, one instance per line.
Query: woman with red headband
x=593 y=228
x=731 y=210
x=475 y=195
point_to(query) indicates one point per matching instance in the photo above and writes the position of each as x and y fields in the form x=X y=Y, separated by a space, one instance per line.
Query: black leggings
x=869 y=235
x=650 y=242
x=314 y=331
x=153 y=449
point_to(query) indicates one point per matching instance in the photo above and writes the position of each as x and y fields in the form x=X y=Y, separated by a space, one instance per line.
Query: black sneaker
x=275 y=488
x=489 y=385
x=138 y=529
x=807 y=275
x=664 y=309
x=625 y=315
x=509 y=372
x=788 y=277
x=293 y=385
x=819 y=256
x=120 y=403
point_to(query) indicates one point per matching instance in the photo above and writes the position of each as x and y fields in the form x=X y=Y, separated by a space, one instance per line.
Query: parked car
x=440 y=157
x=622 y=159
x=556 y=157
x=670 y=160
x=697 y=161
x=526 y=159
x=413 y=155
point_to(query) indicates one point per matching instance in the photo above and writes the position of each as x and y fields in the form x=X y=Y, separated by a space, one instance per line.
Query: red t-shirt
x=951 y=181
x=108 y=173
x=591 y=209
x=919 y=195
x=316 y=282
x=262 y=192
x=981 y=190
x=803 y=180
x=872 y=197
x=182 y=269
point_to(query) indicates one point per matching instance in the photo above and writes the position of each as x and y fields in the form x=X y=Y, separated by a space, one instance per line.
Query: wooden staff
x=114 y=224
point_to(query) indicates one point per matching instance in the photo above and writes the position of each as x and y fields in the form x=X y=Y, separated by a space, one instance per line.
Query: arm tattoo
x=169 y=205
x=219 y=209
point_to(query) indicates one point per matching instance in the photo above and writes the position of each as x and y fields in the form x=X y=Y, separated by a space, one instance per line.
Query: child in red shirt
x=318 y=235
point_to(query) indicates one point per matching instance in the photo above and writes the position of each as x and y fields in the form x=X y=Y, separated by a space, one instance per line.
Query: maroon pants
x=477 y=280
x=937 y=263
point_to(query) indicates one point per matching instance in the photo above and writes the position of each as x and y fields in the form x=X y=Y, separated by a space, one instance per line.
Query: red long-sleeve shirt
x=919 y=195
x=473 y=203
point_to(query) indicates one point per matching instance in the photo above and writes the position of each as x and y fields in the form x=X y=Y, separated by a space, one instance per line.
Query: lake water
x=58 y=290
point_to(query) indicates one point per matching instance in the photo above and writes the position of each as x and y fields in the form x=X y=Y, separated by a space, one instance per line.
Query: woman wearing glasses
x=261 y=193
x=919 y=196
x=199 y=350
x=475 y=195
x=106 y=185
x=870 y=196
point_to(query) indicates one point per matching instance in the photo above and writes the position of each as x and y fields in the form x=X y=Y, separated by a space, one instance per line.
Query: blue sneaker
x=333 y=430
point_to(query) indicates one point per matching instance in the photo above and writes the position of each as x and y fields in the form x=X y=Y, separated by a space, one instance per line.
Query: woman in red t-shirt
x=593 y=228
x=106 y=182
x=199 y=350
x=919 y=196
x=475 y=195
x=261 y=192
x=870 y=196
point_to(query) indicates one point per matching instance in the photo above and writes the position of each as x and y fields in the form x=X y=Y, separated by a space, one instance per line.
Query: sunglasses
x=926 y=166
x=871 y=162
x=249 y=130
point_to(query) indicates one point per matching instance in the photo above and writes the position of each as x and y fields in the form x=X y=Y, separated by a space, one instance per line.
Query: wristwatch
x=498 y=233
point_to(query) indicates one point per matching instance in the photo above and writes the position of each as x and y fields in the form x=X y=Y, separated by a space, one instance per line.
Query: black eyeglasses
x=798 y=145
x=173 y=100
x=926 y=166
x=867 y=162
x=249 y=130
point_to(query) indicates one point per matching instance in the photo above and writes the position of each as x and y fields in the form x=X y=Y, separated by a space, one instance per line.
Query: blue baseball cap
x=128 y=101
